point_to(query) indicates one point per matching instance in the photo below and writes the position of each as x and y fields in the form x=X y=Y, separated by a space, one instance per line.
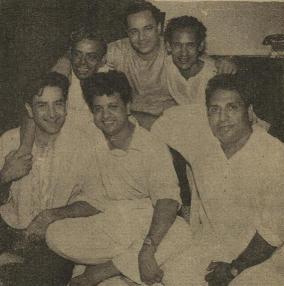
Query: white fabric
x=133 y=181
x=229 y=194
x=192 y=90
x=62 y=174
x=147 y=78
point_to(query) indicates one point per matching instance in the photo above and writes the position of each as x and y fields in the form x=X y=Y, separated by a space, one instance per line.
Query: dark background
x=35 y=33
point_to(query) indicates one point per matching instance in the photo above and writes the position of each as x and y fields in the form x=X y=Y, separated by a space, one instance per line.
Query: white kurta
x=60 y=175
x=192 y=90
x=133 y=181
x=228 y=192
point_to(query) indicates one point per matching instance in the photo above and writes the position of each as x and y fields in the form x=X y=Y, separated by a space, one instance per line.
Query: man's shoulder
x=119 y=46
x=147 y=141
x=267 y=147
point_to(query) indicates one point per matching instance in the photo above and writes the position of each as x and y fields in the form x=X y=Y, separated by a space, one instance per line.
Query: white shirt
x=65 y=173
x=228 y=194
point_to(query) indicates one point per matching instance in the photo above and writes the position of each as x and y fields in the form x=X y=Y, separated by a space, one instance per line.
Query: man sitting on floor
x=137 y=230
x=236 y=167
x=55 y=181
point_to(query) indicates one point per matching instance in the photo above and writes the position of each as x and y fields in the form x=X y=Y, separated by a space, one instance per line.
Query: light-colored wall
x=234 y=28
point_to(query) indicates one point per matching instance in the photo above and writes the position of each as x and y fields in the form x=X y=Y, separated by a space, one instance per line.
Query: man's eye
x=97 y=109
x=132 y=32
x=40 y=105
x=213 y=109
x=149 y=28
x=60 y=103
x=177 y=45
x=92 y=57
x=113 y=107
x=233 y=107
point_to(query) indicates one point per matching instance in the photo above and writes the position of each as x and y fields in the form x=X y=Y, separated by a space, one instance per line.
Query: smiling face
x=143 y=32
x=110 y=114
x=229 y=117
x=48 y=110
x=184 y=48
x=86 y=58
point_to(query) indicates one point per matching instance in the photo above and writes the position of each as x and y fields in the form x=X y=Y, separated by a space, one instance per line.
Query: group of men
x=89 y=179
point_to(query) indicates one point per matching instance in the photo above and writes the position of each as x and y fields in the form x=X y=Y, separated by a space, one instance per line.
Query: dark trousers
x=41 y=266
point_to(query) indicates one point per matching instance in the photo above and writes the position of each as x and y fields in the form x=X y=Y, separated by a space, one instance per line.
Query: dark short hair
x=35 y=87
x=137 y=6
x=184 y=22
x=106 y=84
x=84 y=33
x=235 y=82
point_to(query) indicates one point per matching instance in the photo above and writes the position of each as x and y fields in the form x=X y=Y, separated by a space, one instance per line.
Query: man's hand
x=150 y=273
x=220 y=274
x=225 y=66
x=15 y=167
x=37 y=228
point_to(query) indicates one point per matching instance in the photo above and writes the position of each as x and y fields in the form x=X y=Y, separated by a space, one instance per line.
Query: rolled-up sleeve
x=163 y=182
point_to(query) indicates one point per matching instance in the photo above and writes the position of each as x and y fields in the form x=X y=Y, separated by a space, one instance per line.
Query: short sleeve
x=163 y=182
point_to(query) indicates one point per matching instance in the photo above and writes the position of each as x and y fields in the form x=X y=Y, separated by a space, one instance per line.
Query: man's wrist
x=149 y=243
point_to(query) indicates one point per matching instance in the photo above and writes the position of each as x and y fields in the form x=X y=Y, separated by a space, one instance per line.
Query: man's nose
x=223 y=115
x=51 y=112
x=184 y=50
x=105 y=114
x=83 y=60
x=141 y=36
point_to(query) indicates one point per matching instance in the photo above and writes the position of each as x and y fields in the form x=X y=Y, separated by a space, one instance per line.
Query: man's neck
x=44 y=140
x=193 y=70
x=231 y=149
x=121 y=140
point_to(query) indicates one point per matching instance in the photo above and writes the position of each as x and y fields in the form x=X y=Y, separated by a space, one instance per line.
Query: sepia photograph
x=141 y=143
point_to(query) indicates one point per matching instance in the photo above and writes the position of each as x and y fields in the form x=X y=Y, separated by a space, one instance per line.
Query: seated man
x=236 y=167
x=55 y=181
x=137 y=228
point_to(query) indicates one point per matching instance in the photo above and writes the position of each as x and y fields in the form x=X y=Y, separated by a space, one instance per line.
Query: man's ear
x=128 y=110
x=201 y=47
x=168 y=47
x=29 y=110
x=251 y=113
x=103 y=61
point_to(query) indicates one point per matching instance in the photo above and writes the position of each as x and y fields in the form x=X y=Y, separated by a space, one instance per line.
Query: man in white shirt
x=236 y=167
x=55 y=181
x=137 y=229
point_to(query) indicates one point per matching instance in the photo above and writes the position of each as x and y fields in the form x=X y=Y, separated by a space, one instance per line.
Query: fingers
x=212 y=265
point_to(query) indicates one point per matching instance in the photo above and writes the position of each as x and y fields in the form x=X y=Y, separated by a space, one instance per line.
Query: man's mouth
x=225 y=128
x=183 y=60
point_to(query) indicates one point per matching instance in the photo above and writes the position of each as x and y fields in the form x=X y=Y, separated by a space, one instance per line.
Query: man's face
x=49 y=110
x=229 y=117
x=110 y=114
x=184 y=48
x=86 y=58
x=143 y=32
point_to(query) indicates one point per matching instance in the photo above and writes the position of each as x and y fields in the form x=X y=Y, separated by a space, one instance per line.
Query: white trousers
x=115 y=235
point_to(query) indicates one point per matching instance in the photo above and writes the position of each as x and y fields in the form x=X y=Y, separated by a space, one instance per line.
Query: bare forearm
x=256 y=252
x=164 y=216
x=77 y=209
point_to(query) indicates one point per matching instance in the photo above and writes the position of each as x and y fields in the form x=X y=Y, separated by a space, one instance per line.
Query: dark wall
x=35 y=33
